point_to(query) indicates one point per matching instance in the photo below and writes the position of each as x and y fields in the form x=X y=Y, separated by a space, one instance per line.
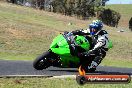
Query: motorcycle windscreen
x=83 y=42
x=60 y=45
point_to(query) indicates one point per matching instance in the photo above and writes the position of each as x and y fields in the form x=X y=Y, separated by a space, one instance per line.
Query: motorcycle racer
x=81 y=48
x=99 y=43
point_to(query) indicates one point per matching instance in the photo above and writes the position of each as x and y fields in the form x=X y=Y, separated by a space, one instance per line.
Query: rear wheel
x=42 y=61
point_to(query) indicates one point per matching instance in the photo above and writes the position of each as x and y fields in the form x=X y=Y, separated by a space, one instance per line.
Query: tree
x=13 y=1
x=109 y=17
x=38 y=4
x=58 y=6
x=99 y=2
x=84 y=9
x=130 y=24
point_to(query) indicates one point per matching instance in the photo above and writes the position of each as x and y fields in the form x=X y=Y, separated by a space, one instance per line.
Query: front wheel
x=42 y=61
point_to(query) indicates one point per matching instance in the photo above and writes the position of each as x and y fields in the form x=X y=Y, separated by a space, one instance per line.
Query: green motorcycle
x=63 y=52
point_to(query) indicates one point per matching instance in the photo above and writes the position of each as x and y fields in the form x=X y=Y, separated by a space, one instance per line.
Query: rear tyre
x=42 y=61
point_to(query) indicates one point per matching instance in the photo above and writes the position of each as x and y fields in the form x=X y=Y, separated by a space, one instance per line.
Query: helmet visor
x=92 y=30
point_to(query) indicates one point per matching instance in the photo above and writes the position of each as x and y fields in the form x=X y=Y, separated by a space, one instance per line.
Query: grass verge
x=52 y=83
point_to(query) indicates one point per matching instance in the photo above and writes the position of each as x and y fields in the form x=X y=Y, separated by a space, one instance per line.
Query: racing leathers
x=98 y=49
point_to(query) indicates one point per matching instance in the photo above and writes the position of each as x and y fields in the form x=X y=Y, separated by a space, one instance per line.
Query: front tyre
x=42 y=61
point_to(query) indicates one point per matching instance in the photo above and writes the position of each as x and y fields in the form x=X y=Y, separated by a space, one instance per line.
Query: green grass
x=117 y=62
x=25 y=33
x=52 y=83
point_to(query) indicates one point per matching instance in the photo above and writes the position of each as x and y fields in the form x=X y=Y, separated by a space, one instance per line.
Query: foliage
x=130 y=24
x=109 y=17
x=83 y=9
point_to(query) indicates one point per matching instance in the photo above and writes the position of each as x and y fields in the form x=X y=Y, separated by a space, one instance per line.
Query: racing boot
x=94 y=64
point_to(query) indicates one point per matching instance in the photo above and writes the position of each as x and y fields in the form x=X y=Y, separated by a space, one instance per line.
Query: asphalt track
x=26 y=68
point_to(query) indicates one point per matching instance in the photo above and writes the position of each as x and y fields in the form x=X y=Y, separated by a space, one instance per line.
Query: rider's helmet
x=95 y=26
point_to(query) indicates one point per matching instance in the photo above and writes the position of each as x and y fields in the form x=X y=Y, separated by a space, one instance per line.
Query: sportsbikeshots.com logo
x=82 y=79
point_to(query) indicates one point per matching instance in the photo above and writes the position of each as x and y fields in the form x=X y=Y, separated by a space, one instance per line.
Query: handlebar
x=70 y=38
